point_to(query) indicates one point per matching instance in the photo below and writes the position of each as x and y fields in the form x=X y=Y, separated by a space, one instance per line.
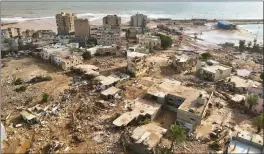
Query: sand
x=49 y=24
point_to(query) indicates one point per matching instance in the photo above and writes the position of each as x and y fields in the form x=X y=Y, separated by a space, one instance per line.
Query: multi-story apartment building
x=108 y=35
x=11 y=32
x=82 y=27
x=112 y=20
x=65 y=23
x=138 y=20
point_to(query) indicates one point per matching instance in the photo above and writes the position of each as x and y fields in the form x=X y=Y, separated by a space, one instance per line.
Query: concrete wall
x=222 y=75
x=173 y=100
x=82 y=27
x=188 y=117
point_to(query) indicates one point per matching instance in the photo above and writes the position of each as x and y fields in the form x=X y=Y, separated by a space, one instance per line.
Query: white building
x=212 y=70
x=138 y=20
x=139 y=48
x=149 y=41
x=3 y=134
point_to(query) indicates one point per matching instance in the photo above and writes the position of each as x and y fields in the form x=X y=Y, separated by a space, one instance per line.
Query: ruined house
x=136 y=63
x=110 y=93
x=183 y=63
x=89 y=70
x=139 y=48
x=145 y=138
x=190 y=104
x=212 y=70
x=29 y=117
x=140 y=107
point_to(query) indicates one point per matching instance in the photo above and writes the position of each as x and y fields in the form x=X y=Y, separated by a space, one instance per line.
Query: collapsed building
x=149 y=41
x=190 y=104
x=102 y=50
x=89 y=70
x=140 y=107
x=105 y=81
x=145 y=138
x=139 y=48
x=212 y=71
x=247 y=87
x=136 y=63
x=183 y=63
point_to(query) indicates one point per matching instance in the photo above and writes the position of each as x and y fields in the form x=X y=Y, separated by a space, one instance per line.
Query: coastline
x=46 y=23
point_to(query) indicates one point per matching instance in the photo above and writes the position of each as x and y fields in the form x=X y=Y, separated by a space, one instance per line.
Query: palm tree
x=249 y=44
x=259 y=122
x=252 y=100
x=178 y=135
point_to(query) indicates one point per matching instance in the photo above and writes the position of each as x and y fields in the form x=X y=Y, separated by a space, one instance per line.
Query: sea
x=13 y=11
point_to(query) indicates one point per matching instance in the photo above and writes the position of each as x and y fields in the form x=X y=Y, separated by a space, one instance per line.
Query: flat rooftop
x=88 y=69
x=175 y=88
x=215 y=67
x=182 y=58
x=244 y=83
x=141 y=107
x=149 y=135
x=135 y=54
x=246 y=142
x=27 y=115
x=110 y=91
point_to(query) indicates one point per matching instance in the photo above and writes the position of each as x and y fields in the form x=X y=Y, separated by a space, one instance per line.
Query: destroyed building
x=212 y=71
x=190 y=104
x=29 y=117
x=102 y=50
x=105 y=81
x=110 y=93
x=90 y=71
x=149 y=41
x=139 y=107
x=145 y=138
x=136 y=63
x=139 y=48
x=245 y=142
x=243 y=85
x=183 y=63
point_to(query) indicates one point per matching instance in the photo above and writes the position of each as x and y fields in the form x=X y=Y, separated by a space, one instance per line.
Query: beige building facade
x=65 y=23
x=111 y=20
x=138 y=20
x=13 y=32
x=136 y=63
x=82 y=27
x=149 y=41
x=108 y=35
